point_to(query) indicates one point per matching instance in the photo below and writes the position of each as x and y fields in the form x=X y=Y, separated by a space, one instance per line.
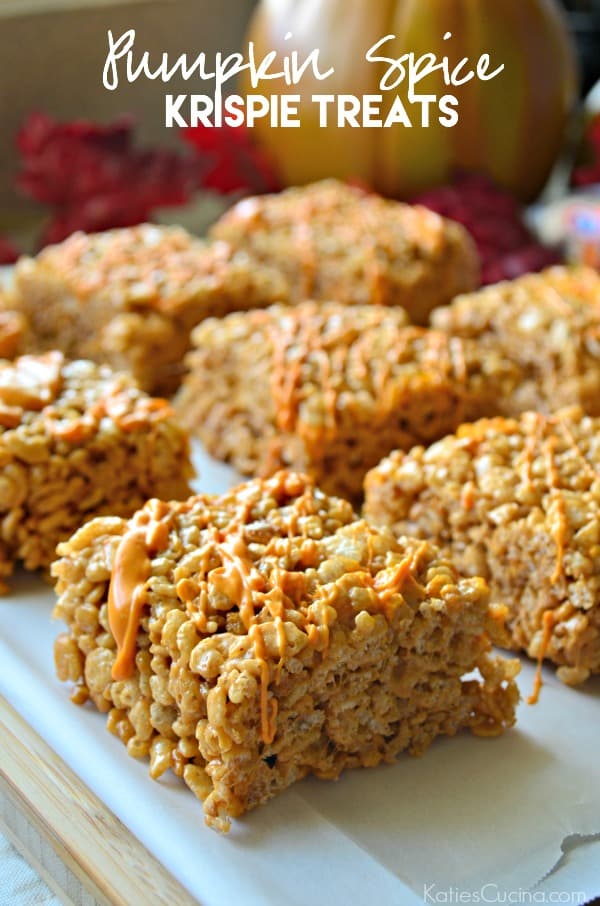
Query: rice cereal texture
x=329 y=389
x=130 y=297
x=334 y=241
x=518 y=502
x=77 y=440
x=549 y=325
x=246 y=640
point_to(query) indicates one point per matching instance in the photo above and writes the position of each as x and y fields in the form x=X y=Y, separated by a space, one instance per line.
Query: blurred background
x=60 y=175
x=584 y=19
x=52 y=54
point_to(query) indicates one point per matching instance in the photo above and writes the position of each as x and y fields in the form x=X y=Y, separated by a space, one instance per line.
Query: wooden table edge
x=109 y=861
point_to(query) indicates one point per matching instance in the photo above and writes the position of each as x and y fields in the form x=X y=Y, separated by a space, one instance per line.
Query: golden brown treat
x=517 y=502
x=13 y=331
x=334 y=241
x=77 y=440
x=130 y=297
x=269 y=633
x=549 y=325
x=329 y=389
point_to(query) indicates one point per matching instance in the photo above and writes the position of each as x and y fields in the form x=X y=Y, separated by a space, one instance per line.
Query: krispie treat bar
x=334 y=241
x=247 y=640
x=549 y=325
x=329 y=389
x=77 y=440
x=517 y=502
x=130 y=297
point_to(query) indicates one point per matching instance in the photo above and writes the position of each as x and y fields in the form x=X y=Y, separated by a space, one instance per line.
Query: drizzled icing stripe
x=298 y=339
x=548 y=624
x=239 y=579
x=127 y=593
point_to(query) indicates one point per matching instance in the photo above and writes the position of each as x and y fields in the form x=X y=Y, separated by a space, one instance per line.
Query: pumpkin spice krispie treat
x=549 y=325
x=329 y=389
x=518 y=502
x=334 y=241
x=249 y=639
x=77 y=440
x=130 y=297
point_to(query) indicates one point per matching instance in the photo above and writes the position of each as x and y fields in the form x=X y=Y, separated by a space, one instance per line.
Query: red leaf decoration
x=587 y=173
x=8 y=251
x=494 y=219
x=233 y=162
x=94 y=178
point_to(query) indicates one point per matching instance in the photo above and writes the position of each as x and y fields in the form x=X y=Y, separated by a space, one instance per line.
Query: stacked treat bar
x=248 y=639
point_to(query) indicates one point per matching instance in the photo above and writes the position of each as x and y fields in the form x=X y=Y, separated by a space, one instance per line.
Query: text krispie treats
x=130 y=297
x=77 y=440
x=334 y=241
x=246 y=640
x=517 y=502
x=329 y=389
x=549 y=325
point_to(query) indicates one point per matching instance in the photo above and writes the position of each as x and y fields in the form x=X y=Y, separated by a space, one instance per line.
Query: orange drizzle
x=548 y=623
x=157 y=535
x=301 y=332
x=319 y=209
x=10 y=416
x=468 y=496
x=128 y=583
x=126 y=598
x=285 y=377
x=238 y=578
x=127 y=410
x=318 y=633
x=267 y=720
x=393 y=585
x=305 y=333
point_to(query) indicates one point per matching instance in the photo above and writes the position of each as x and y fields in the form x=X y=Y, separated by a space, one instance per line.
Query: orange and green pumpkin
x=511 y=127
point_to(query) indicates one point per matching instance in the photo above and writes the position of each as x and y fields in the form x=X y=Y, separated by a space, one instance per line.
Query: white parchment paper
x=472 y=815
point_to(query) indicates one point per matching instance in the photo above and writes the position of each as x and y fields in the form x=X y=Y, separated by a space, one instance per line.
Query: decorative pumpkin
x=510 y=127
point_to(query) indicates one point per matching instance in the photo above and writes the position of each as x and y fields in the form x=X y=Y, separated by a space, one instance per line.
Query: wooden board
x=110 y=863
